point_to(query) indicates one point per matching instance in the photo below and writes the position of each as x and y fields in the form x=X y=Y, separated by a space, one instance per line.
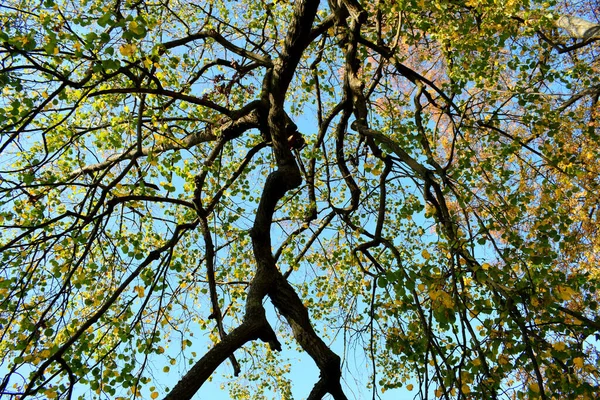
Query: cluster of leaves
x=446 y=223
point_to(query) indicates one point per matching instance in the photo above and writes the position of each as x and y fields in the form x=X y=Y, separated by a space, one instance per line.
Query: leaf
x=105 y=19
x=51 y=47
x=91 y=37
x=558 y=346
x=564 y=292
x=127 y=50
x=137 y=29
x=534 y=387
x=139 y=290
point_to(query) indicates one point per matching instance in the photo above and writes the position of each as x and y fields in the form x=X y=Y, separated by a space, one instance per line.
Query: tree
x=417 y=179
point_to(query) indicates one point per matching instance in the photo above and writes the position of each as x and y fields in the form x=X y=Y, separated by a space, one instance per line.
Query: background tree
x=416 y=179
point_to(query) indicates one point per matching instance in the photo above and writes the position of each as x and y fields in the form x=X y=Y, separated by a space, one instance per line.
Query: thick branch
x=298 y=38
x=187 y=387
x=285 y=298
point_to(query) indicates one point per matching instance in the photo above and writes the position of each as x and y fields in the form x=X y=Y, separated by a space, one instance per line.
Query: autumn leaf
x=564 y=292
x=558 y=346
x=127 y=50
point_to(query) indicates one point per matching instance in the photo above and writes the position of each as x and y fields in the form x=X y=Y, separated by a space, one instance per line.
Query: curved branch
x=222 y=41
x=165 y=92
x=203 y=369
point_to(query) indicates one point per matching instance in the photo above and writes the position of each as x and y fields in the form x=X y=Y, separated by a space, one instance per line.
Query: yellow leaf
x=503 y=359
x=485 y=266
x=23 y=39
x=466 y=377
x=578 y=361
x=409 y=387
x=154 y=395
x=558 y=346
x=426 y=254
x=564 y=292
x=127 y=50
x=139 y=290
x=447 y=300
x=133 y=26
x=421 y=287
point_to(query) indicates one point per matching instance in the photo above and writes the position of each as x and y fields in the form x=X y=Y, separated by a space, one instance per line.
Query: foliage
x=418 y=179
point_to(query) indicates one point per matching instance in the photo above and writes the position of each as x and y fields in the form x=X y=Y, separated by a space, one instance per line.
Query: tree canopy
x=418 y=181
